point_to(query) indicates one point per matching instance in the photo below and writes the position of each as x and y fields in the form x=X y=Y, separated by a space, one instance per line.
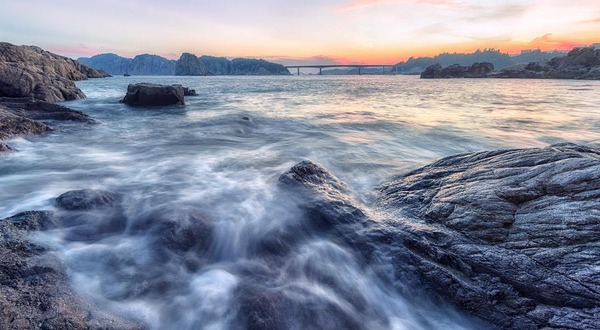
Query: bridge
x=394 y=67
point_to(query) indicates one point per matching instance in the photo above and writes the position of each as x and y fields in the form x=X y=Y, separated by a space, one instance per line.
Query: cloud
x=359 y=4
x=548 y=41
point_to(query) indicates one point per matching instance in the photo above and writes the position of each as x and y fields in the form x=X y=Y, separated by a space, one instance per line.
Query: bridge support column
x=359 y=71
x=298 y=70
x=320 y=71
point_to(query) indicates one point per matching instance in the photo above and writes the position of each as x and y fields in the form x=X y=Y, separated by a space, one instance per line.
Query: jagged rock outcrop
x=510 y=236
x=477 y=70
x=34 y=287
x=29 y=71
x=145 y=94
x=190 y=65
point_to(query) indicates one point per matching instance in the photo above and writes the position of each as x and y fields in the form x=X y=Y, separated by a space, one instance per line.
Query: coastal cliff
x=30 y=79
x=29 y=71
x=190 y=65
x=144 y=64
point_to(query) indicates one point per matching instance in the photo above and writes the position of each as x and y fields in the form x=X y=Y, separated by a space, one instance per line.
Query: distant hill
x=188 y=64
x=497 y=58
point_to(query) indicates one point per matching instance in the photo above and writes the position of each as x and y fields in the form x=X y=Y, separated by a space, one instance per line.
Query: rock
x=509 y=236
x=12 y=125
x=190 y=65
x=34 y=286
x=87 y=199
x=145 y=94
x=189 y=92
x=28 y=71
x=5 y=148
x=39 y=110
x=477 y=70
x=512 y=236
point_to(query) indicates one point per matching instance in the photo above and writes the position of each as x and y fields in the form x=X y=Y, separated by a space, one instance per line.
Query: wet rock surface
x=145 y=94
x=510 y=236
x=34 y=288
x=26 y=116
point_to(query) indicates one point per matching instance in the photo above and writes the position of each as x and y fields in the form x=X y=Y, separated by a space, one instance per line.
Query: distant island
x=500 y=60
x=187 y=65
x=579 y=63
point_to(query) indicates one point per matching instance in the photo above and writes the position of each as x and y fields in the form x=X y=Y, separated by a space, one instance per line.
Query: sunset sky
x=359 y=31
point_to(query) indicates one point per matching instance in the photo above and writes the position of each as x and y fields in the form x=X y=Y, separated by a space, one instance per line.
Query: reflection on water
x=206 y=159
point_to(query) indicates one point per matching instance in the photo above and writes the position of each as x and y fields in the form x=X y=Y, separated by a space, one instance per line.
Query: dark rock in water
x=145 y=94
x=477 y=70
x=13 y=125
x=39 y=110
x=87 y=199
x=189 y=92
x=20 y=117
x=190 y=65
x=28 y=71
x=5 y=148
x=34 y=286
x=175 y=230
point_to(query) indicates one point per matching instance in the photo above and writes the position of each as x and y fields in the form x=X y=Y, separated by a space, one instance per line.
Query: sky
x=299 y=31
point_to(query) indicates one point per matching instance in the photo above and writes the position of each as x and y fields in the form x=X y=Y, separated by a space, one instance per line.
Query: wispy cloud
x=358 y=4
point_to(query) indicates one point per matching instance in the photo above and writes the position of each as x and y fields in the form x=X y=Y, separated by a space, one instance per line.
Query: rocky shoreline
x=579 y=63
x=509 y=236
x=31 y=79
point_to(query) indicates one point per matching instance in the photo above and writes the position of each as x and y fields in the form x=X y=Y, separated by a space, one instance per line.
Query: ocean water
x=218 y=158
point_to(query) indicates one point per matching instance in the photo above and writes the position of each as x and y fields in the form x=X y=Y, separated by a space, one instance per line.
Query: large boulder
x=29 y=71
x=510 y=236
x=145 y=94
x=34 y=285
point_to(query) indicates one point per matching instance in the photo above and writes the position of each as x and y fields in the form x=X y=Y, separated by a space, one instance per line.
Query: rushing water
x=206 y=159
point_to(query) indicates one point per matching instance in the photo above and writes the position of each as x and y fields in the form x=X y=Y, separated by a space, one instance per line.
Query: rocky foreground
x=580 y=63
x=509 y=236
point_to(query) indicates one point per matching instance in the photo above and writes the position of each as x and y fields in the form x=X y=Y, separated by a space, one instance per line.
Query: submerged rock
x=34 y=287
x=145 y=94
x=87 y=199
x=189 y=92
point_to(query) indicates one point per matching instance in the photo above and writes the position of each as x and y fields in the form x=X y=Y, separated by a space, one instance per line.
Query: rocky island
x=187 y=65
x=579 y=63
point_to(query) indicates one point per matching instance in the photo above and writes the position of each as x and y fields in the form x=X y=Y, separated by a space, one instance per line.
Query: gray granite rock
x=509 y=236
x=145 y=94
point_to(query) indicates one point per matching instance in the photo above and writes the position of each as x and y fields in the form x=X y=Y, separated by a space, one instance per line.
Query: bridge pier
x=298 y=70
x=359 y=71
x=320 y=71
